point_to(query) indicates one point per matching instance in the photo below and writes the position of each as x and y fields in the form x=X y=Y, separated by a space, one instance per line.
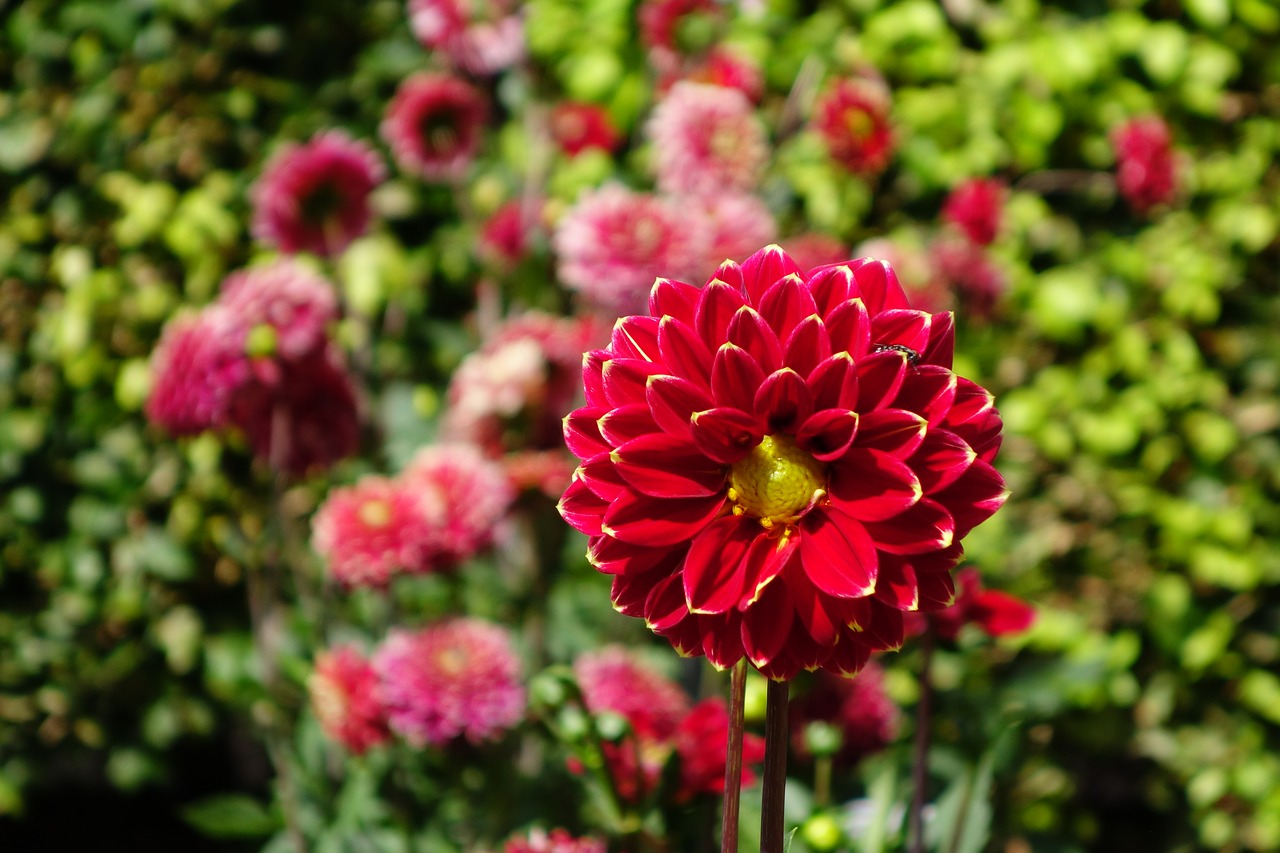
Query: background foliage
x=1134 y=358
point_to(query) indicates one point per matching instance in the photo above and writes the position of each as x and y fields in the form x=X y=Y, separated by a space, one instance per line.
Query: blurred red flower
x=852 y=117
x=1146 y=172
x=368 y=532
x=479 y=36
x=995 y=613
x=577 y=127
x=975 y=207
x=555 y=841
x=858 y=707
x=345 y=698
x=434 y=125
x=702 y=742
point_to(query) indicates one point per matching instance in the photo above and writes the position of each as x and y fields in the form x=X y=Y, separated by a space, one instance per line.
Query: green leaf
x=231 y=816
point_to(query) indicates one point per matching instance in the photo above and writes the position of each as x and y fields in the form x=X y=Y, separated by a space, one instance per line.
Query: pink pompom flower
x=852 y=117
x=722 y=67
x=368 y=532
x=467 y=494
x=458 y=678
x=555 y=841
x=975 y=207
x=314 y=197
x=701 y=741
x=577 y=127
x=346 y=699
x=434 y=125
x=197 y=367
x=868 y=720
x=707 y=140
x=734 y=224
x=1146 y=171
x=298 y=305
x=479 y=36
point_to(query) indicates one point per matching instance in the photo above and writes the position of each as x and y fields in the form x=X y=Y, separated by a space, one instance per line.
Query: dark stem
x=920 y=767
x=775 y=767
x=733 y=758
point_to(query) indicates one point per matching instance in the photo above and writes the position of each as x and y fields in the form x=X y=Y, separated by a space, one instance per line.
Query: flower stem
x=920 y=766
x=775 y=767
x=733 y=758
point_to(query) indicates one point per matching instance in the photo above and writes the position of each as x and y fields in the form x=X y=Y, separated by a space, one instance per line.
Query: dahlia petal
x=941 y=459
x=974 y=418
x=942 y=341
x=999 y=613
x=664 y=607
x=684 y=352
x=905 y=327
x=808 y=346
x=785 y=304
x=671 y=298
x=593 y=377
x=930 y=391
x=620 y=425
x=848 y=656
x=582 y=508
x=828 y=433
x=849 y=326
x=764 y=268
x=613 y=557
x=624 y=379
x=735 y=376
x=725 y=434
x=811 y=608
x=783 y=401
x=722 y=640
x=896 y=585
x=884 y=630
x=685 y=637
x=767 y=625
x=838 y=555
x=924 y=526
x=878 y=285
x=880 y=376
x=749 y=331
x=645 y=520
x=630 y=591
x=936 y=591
x=830 y=287
x=834 y=383
x=871 y=485
x=663 y=466
x=717 y=304
x=672 y=402
x=713 y=580
x=974 y=497
x=601 y=476
x=895 y=431
x=763 y=562
x=635 y=337
x=582 y=432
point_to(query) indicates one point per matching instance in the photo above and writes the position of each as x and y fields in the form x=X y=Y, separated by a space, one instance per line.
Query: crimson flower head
x=975 y=208
x=314 y=197
x=852 y=117
x=345 y=698
x=858 y=707
x=1145 y=169
x=479 y=36
x=555 y=841
x=434 y=125
x=996 y=613
x=780 y=464
x=370 y=531
x=702 y=741
x=577 y=127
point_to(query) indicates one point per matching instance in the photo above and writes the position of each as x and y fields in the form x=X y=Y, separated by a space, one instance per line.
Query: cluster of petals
x=859 y=708
x=701 y=741
x=458 y=678
x=578 y=127
x=434 y=125
x=1146 y=171
x=975 y=207
x=467 y=495
x=259 y=359
x=345 y=698
x=995 y=613
x=852 y=117
x=707 y=140
x=505 y=236
x=555 y=841
x=779 y=464
x=375 y=529
x=970 y=274
x=479 y=36
x=722 y=67
x=314 y=197
x=662 y=22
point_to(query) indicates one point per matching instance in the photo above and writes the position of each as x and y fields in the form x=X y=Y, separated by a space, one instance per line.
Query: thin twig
x=920 y=768
x=733 y=758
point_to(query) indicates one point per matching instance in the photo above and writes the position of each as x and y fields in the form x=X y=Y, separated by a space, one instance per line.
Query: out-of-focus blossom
x=479 y=36
x=858 y=707
x=679 y=27
x=814 y=249
x=346 y=699
x=314 y=197
x=368 y=532
x=707 y=140
x=735 y=224
x=577 y=127
x=434 y=125
x=1146 y=171
x=995 y=613
x=722 y=67
x=969 y=272
x=469 y=494
x=504 y=237
x=555 y=841
x=545 y=471
x=459 y=678
x=918 y=272
x=295 y=302
x=975 y=207
x=852 y=117
x=614 y=242
x=196 y=368
x=778 y=465
x=702 y=741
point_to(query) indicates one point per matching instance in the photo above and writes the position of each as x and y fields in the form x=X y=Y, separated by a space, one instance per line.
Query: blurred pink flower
x=196 y=368
x=970 y=273
x=1146 y=172
x=614 y=242
x=923 y=284
x=346 y=699
x=668 y=25
x=975 y=207
x=735 y=224
x=867 y=718
x=368 y=532
x=814 y=249
x=996 y=613
x=577 y=127
x=555 y=841
x=295 y=302
x=852 y=117
x=505 y=236
x=468 y=494
x=707 y=140
x=479 y=36
x=434 y=125
x=455 y=678
x=314 y=197
x=701 y=741
x=722 y=67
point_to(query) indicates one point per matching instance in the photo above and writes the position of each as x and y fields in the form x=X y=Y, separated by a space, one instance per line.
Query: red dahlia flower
x=702 y=741
x=434 y=125
x=555 y=841
x=346 y=700
x=995 y=613
x=853 y=119
x=975 y=207
x=1145 y=169
x=859 y=707
x=577 y=127
x=779 y=465
x=480 y=36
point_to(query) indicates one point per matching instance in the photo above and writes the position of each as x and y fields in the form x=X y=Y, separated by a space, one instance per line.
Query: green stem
x=924 y=719
x=772 y=818
x=733 y=759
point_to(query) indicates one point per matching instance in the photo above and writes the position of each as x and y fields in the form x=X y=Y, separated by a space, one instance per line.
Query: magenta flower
x=814 y=249
x=734 y=224
x=578 y=127
x=315 y=197
x=614 y=242
x=197 y=367
x=866 y=717
x=295 y=302
x=1146 y=172
x=722 y=67
x=479 y=36
x=467 y=496
x=346 y=700
x=505 y=236
x=975 y=207
x=779 y=465
x=434 y=125
x=970 y=273
x=701 y=741
x=555 y=841
x=707 y=140
x=852 y=117
x=368 y=532
x=459 y=678
x=996 y=613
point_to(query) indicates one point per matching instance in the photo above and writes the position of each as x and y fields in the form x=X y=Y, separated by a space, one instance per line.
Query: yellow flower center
x=776 y=482
x=374 y=513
